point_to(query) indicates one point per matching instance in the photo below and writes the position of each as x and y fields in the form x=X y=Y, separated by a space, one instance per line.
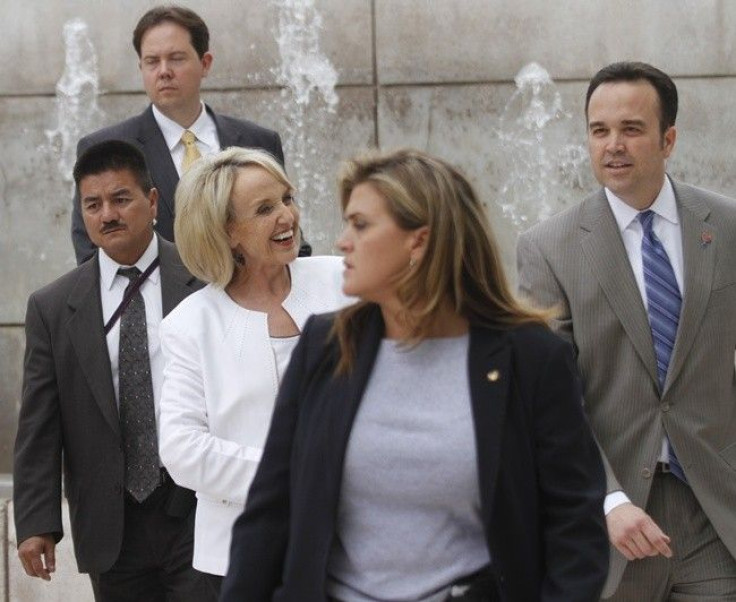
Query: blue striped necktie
x=663 y=306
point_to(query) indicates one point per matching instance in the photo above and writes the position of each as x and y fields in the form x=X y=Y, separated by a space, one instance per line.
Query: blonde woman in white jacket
x=227 y=346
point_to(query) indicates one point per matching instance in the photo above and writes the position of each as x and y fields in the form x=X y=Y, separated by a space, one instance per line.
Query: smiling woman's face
x=265 y=223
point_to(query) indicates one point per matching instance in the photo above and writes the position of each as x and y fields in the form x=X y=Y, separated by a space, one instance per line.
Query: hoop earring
x=412 y=263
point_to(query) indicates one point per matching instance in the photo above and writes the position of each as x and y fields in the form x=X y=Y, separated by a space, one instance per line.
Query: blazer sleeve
x=538 y=283
x=195 y=457
x=38 y=444
x=260 y=535
x=571 y=483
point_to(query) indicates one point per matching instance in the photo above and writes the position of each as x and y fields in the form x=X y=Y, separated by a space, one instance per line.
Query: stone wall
x=435 y=74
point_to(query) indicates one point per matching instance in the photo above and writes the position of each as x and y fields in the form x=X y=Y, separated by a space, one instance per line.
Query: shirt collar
x=665 y=206
x=203 y=128
x=109 y=267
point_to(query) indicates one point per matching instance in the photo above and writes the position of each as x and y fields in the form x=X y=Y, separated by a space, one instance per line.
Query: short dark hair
x=113 y=155
x=630 y=71
x=184 y=17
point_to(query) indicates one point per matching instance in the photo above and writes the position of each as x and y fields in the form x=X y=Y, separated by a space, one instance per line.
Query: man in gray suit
x=172 y=44
x=92 y=377
x=643 y=274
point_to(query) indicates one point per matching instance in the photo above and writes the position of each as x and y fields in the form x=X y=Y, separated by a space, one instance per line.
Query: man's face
x=628 y=152
x=172 y=71
x=117 y=214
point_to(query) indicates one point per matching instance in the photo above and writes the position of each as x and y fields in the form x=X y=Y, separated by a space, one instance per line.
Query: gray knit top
x=409 y=512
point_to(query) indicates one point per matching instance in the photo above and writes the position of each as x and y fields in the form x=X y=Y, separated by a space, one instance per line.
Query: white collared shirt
x=203 y=128
x=666 y=226
x=112 y=289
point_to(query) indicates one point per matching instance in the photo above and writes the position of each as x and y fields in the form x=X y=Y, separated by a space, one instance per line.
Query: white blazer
x=220 y=384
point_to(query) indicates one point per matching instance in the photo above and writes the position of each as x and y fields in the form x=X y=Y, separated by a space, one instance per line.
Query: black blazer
x=541 y=477
x=68 y=405
x=143 y=131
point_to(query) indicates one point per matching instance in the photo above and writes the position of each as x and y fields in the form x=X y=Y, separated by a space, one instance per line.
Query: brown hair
x=184 y=17
x=461 y=265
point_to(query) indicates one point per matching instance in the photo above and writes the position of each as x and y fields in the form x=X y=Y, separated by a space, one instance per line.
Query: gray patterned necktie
x=137 y=416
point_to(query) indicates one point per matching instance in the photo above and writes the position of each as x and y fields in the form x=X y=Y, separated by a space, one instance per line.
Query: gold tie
x=191 y=152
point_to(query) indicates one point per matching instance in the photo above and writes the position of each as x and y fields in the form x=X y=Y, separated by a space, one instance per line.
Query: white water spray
x=307 y=101
x=77 y=111
x=545 y=169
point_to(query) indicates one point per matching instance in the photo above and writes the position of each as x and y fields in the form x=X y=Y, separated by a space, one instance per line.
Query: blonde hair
x=204 y=208
x=461 y=265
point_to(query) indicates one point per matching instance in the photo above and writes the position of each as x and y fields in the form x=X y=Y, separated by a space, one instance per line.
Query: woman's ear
x=238 y=256
x=418 y=242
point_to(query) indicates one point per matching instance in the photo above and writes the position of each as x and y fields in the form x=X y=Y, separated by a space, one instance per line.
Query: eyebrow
x=640 y=122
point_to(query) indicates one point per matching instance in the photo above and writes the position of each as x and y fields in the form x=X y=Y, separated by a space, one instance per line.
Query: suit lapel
x=158 y=159
x=176 y=282
x=227 y=136
x=490 y=375
x=605 y=252
x=85 y=329
x=699 y=260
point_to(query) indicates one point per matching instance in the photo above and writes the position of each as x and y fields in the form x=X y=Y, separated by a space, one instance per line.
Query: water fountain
x=546 y=170
x=77 y=111
x=307 y=102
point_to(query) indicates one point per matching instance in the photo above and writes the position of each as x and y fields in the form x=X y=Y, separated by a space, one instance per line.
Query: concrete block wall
x=435 y=74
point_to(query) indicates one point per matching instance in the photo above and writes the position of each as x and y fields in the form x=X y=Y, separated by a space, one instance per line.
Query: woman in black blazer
x=428 y=442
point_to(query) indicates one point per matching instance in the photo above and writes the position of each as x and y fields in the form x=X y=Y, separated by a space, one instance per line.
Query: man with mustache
x=172 y=43
x=92 y=379
x=643 y=274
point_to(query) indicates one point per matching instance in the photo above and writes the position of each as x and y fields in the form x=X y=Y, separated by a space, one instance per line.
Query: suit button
x=646 y=473
x=666 y=407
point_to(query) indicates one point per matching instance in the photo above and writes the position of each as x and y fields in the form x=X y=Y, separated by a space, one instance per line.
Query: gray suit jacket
x=68 y=405
x=577 y=262
x=143 y=131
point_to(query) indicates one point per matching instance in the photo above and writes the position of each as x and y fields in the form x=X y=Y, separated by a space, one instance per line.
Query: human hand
x=38 y=556
x=633 y=532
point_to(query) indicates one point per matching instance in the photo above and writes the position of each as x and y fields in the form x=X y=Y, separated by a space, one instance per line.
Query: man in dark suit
x=172 y=44
x=91 y=379
x=642 y=273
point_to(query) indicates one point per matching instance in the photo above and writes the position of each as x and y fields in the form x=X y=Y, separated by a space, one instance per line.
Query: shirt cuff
x=613 y=500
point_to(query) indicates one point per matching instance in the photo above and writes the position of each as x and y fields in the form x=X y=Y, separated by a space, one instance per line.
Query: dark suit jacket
x=143 y=131
x=540 y=474
x=68 y=405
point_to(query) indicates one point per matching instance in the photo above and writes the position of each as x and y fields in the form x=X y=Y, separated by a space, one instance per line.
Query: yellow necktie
x=191 y=152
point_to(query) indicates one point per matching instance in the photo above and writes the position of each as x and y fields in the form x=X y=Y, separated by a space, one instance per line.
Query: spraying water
x=308 y=98
x=77 y=111
x=545 y=170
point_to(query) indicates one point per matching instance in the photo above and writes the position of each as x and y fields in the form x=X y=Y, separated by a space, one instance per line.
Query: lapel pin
x=705 y=238
x=493 y=375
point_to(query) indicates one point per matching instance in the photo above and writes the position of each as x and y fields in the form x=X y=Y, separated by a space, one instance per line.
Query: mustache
x=110 y=226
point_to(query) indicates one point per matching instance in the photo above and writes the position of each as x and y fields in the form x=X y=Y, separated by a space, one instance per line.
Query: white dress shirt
x=666 y=226
x=203 y=128
x=112 y=290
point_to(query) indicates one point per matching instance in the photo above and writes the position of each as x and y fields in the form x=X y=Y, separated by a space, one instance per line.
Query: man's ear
x=153 y=200
x=207 y=59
